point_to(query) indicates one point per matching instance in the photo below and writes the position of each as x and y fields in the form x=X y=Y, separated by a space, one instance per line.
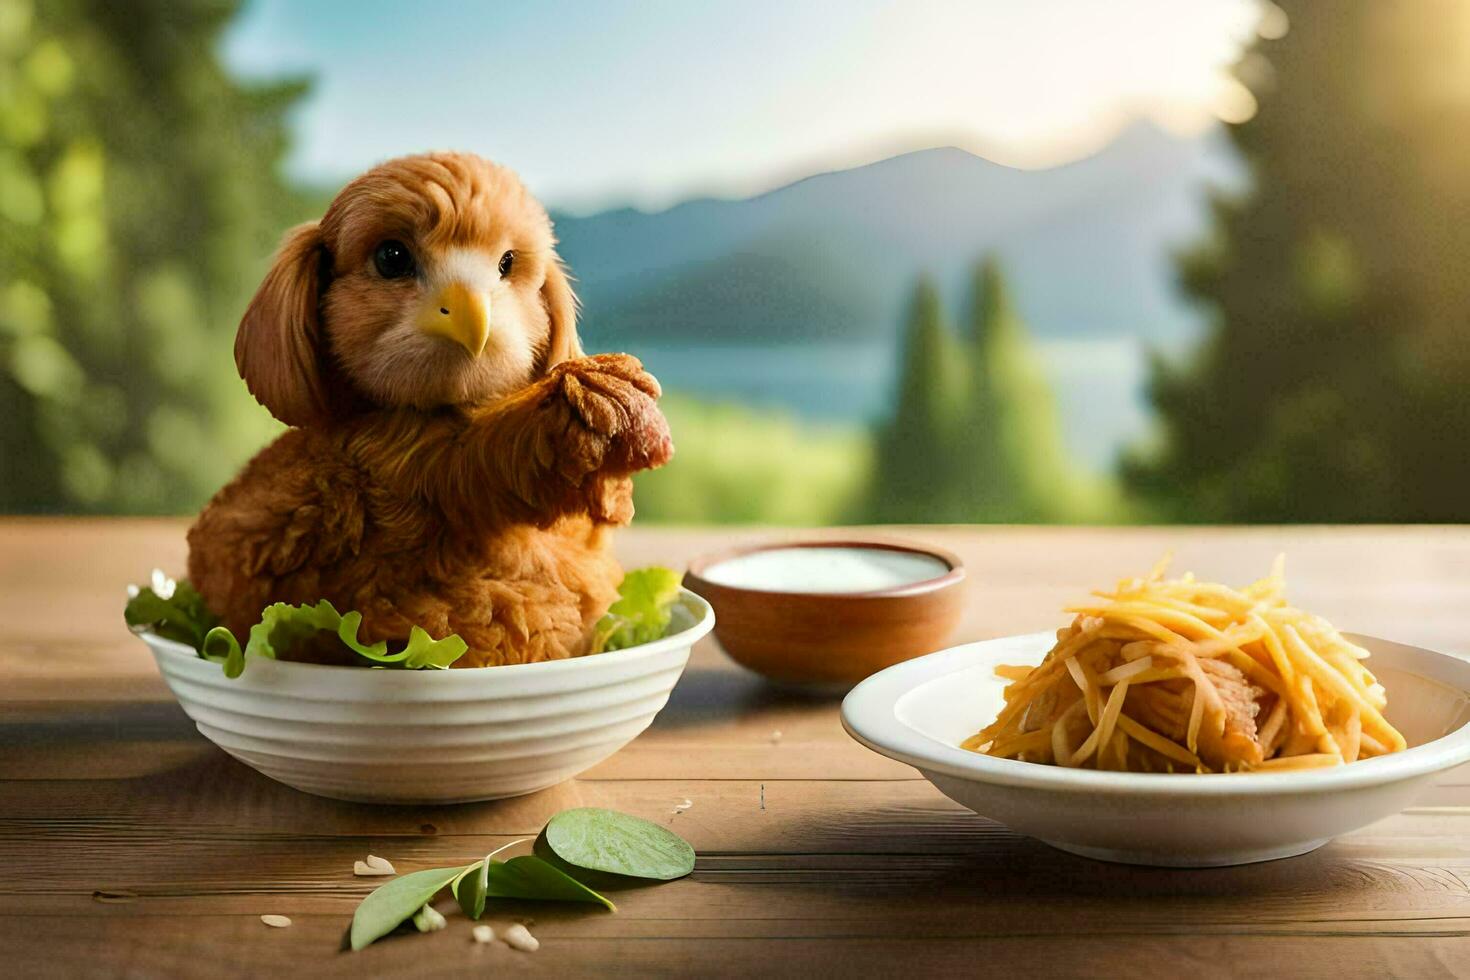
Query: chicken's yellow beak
x=461 y=314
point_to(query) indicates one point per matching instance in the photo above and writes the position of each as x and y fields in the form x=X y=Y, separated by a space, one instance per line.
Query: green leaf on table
x=595 y=839
x=530 y=877
x=642 y=612
x=394 y=903
x=469 y=889
x=606 y=840
x=522 y=877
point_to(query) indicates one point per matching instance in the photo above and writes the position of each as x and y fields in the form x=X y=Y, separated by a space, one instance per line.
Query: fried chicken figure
x=454 y=461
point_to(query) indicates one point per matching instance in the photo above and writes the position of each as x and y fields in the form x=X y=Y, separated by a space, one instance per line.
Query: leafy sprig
x=610 y=841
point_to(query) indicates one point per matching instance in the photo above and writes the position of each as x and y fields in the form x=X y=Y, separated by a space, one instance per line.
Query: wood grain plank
x=847 y=855
x=218 y=796
x=828 y=908
x=840 y=895
x=239 y=945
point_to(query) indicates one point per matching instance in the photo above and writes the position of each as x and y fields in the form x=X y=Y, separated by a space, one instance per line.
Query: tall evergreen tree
x=1332 y=386
x=975 y=434
x=915 y=464
x=139 y=201
x=1016 y=465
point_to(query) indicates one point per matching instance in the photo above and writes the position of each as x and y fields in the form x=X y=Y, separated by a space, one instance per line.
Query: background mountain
x=833 y=257
x=803 y=289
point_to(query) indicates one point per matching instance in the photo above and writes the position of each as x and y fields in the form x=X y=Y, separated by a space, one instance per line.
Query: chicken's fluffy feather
x=425 y=485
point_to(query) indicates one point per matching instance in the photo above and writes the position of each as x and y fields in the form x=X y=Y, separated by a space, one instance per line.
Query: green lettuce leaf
x=177 y=612
x=182 y=617
x=282 y=626
x=643 y=611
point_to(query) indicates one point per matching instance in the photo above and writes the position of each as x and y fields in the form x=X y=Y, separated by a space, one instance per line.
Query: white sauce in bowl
x=826 y=570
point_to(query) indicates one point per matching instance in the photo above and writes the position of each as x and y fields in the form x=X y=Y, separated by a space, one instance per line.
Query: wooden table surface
x=131 y=846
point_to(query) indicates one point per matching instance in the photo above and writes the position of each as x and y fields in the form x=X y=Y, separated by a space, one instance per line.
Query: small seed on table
x=373 y=866
x=276 y=921
x=483 y=934
x=519 y=937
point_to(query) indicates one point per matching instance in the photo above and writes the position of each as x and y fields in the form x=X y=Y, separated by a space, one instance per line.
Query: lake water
x=1099 y=384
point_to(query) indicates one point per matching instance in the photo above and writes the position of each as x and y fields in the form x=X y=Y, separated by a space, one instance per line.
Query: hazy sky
x=653 y=101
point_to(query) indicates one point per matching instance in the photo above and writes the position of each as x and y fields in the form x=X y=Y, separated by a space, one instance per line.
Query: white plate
x=919 y=711
x=431 y=736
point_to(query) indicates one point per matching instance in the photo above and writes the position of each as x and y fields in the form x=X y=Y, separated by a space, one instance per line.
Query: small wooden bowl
x=831 y=639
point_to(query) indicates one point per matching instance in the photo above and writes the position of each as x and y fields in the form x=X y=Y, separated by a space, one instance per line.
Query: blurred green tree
x=975 y=434
x=139 y=201
x=1332 y=385
x=1015 y=465
x=916 y=463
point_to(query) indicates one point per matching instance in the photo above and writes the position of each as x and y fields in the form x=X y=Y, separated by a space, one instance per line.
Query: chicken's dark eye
x=506 y=261
x=393 y=259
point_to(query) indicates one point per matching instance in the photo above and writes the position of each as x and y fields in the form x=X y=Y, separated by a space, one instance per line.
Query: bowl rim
x=955 y=574
x=869 y=716
x=687 y=637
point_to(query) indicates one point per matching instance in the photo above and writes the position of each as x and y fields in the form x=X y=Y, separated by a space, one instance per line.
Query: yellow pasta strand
x=1168 y=675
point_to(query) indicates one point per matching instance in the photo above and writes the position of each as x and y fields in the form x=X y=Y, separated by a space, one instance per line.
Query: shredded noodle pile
x=1186 y=676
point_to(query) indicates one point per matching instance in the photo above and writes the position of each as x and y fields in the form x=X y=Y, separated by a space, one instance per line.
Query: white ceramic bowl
x=432 y=736
x=919 y=711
